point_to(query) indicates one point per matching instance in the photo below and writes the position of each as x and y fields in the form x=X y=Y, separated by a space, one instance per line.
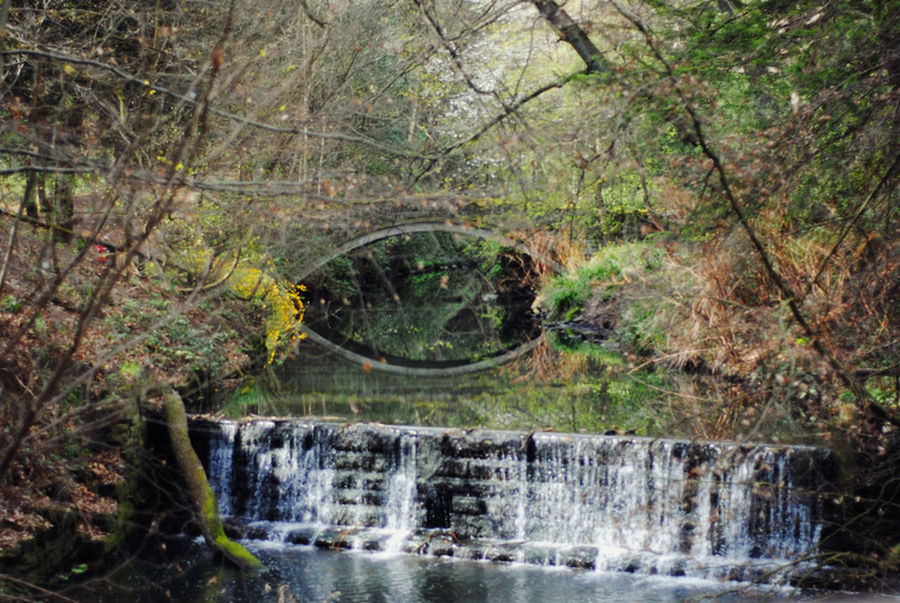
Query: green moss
x=198 y=487
x=236 y=552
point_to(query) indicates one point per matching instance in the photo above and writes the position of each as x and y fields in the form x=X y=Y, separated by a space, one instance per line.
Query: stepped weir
x=619 y=503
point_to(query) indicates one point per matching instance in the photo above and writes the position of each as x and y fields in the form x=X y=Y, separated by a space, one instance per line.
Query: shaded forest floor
x=145 y=336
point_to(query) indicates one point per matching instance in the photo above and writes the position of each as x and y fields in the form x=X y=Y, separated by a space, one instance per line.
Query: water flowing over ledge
x=657 y=506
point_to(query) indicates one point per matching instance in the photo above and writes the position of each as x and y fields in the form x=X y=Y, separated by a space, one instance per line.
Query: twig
x=29 y=188
x=849 y=226
x=312 y=17
x=43 y=591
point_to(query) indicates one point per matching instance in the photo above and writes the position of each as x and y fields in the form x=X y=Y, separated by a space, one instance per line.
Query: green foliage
x=638 y=329
x=40 y=325
x=10 y=304
x=564 y=297
x=243 y=402
x=130 y=370
x=79 y=569
x=170 y=341
x=602 y=355
x=624 y=207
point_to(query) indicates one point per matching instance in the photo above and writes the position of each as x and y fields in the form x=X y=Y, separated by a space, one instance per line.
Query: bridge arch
x=417 y=227
x=415 y=369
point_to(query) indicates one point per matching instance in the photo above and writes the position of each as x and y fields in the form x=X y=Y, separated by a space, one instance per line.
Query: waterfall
x=401 y=492
x=219 y=465
x=725 y=510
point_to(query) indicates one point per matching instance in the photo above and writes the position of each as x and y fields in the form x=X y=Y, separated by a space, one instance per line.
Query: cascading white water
x=219 y=465
x=613 y=503
x=401 y=492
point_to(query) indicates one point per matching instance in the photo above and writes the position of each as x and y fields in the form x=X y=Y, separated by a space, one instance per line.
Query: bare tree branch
x=191 y=100
x=312 y=17
x=26 y=197
x=569 y=31
x=46 y=169
x=849 y=226
x=508 y=110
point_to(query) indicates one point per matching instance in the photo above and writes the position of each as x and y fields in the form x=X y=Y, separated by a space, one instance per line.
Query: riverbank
x=70 y=472
x=149 y=334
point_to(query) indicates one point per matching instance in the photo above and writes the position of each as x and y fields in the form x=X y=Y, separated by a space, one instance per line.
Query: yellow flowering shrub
x=281 y=301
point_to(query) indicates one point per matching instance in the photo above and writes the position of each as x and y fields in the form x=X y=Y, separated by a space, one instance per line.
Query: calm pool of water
x=305 y=574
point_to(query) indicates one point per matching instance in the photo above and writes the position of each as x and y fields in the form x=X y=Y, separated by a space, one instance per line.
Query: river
x=303 y=573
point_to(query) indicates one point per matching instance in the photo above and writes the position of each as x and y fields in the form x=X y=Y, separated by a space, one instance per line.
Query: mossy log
x=202 y=497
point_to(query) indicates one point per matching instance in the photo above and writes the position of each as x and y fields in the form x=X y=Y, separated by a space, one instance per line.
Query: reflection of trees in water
x=427 y=296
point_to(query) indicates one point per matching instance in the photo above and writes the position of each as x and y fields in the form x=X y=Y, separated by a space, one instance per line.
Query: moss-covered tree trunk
x=201 y=494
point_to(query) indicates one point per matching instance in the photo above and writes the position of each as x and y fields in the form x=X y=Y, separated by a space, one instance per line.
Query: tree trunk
x=202 y=497
x=573 y=34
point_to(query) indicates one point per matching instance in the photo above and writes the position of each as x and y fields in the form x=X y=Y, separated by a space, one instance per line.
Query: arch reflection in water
x=425 y=299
